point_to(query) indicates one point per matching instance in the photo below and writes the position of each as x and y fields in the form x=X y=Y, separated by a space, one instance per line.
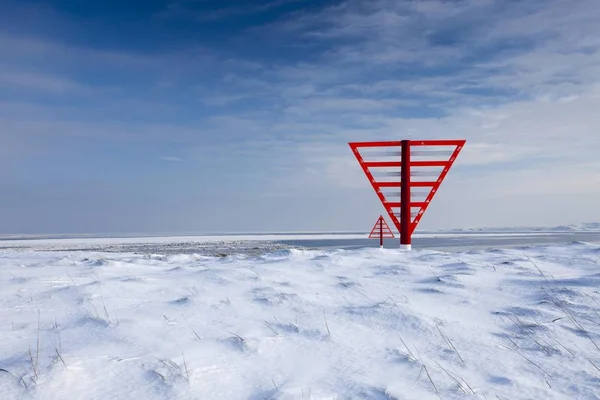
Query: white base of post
x=406 y=247
x=381 y=246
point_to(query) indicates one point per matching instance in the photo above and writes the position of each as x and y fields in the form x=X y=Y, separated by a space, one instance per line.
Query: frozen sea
x=224 y=244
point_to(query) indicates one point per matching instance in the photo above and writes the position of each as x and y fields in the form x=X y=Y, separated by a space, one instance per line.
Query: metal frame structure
x=381 y=230
x=405 y=224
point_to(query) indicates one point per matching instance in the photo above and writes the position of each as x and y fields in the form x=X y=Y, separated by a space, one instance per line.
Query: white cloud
x=518 y=80
x=172 y=159
x=43 y=82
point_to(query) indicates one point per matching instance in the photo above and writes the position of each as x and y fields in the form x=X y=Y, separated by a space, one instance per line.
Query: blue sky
x=200 y=116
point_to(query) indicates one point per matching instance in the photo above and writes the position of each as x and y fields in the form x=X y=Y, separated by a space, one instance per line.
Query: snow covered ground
x=276 y=323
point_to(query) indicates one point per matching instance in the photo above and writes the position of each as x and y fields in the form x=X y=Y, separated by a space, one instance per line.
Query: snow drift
x=292 y=324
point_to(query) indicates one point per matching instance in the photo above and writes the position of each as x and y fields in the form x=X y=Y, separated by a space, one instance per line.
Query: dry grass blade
x=193 y=330
x=572 y=319
x=95 y=310
x=595 y=366
x=558 y=343
x=187 y=372
x=538 y=268
x=407 y=349
x=526 y=358
x=32 y=363
x=424 y=367
x=390 y=297
x=104 y=305
x=450 y=344
x=61 y=359
x=326 y=324
x=271 y=328
x=431 y=380
x=169 y=363
x=20 y=378
x=460 y=385
x=237 y=336
x=69 y=275
x=529 y=334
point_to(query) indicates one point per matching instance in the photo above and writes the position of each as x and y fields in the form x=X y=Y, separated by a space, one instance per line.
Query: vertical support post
x=381 y=231
x=405 y=209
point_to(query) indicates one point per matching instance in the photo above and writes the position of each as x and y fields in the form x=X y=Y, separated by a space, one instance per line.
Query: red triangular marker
x=381 y=230
x=410 y=165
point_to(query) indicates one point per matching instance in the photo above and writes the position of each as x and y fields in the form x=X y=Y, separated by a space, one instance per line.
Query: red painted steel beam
x=405 y=218
x=380 y=231
x=423 y=184
x=396 y=204
x=371 y=164
x=371 y=179
x=386 y=184
x=399 y=184
x=375 y=144
x=405 y=164
x=437 y=142
x=459 y=145
x=420 y=163
x=428 y=163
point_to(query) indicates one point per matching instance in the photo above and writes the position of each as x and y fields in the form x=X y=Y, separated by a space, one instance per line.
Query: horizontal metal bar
x=437 y=142
x=456 y=142
x=395 y=204
x=416 y=163
x=370 y=164
x=397 y=184
x=418 y=174
x=419 y=163
x=386 y=184
x=423 y=184
x=375 y=144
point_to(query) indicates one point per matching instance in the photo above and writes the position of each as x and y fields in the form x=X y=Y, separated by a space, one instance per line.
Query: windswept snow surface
x=520 y=323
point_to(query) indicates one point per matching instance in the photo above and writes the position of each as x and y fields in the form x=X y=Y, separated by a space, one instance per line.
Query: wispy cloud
x=44 y=82
x=185 y=9
x=518 y=80
x=172 y=159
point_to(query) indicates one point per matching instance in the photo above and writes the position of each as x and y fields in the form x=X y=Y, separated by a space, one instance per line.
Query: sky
x=235 y=116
